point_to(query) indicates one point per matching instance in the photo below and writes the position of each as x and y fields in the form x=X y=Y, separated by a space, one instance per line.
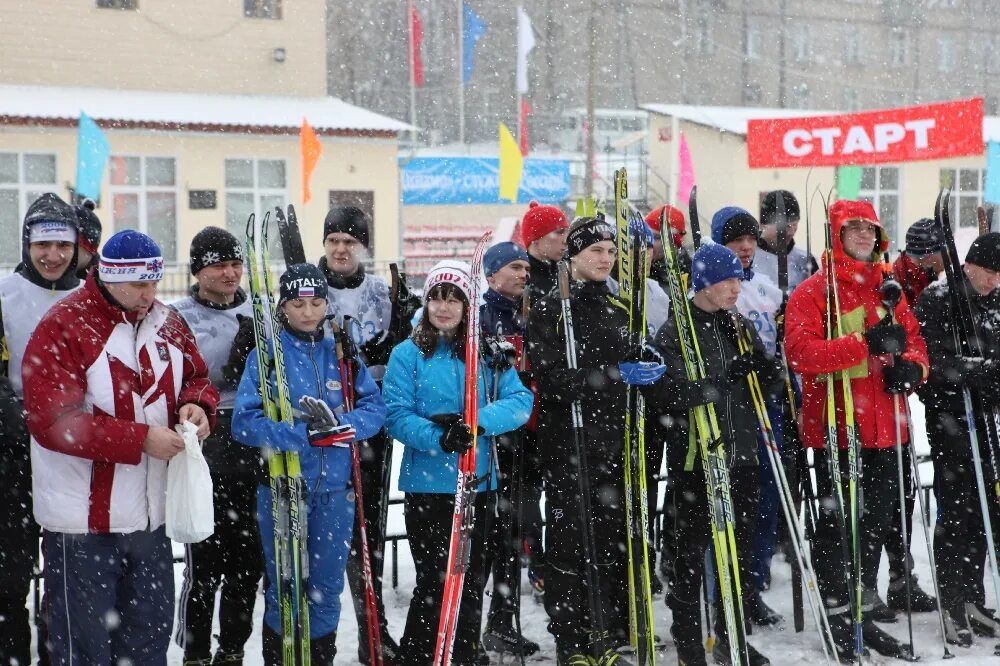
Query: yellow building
x=201 y=103
x=716 y=136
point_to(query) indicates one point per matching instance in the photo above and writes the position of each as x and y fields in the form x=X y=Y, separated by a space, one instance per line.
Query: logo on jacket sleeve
x=161 y=349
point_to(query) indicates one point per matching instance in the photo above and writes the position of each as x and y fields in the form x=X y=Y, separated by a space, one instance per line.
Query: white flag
x=525 y=42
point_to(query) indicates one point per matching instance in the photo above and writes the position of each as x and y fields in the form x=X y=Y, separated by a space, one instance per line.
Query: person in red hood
x=884 y=355
x=678 y=230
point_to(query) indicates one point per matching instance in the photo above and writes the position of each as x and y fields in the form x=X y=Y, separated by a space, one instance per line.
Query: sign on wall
x=932 y=131
x=473 y=180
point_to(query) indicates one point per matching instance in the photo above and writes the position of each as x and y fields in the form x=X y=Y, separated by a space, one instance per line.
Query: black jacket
x=600 y=324
x=716 y=335
x=544 y=276
x=499 y=315
x=942 y=393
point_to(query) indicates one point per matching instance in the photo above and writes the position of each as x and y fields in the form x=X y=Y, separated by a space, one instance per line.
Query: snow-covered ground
x=783 y=646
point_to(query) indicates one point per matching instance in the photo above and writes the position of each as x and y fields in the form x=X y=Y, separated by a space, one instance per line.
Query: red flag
x=416 y=40
x=523 y=125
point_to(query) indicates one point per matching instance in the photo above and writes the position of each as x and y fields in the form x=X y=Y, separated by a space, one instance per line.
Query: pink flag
x=685 y=181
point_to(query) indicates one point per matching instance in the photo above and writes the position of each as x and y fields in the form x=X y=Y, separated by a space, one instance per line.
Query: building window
x=946 y=54
x=802 y=44
x=851 y=100
x=255 y=186
x=966 y=187
x=144 y=197
x=754 y=46
x=267 y=9
x=880 y=187
x=899 y=48
x=118 y=4
x=23 y=178
x=801 y=96
x=703 y=33
x=852 y=46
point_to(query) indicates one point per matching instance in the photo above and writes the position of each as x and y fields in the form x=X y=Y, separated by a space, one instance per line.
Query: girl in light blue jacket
x=424 y=392
x=322 y=443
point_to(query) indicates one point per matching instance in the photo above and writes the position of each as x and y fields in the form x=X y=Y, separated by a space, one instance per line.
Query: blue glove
x=637 y=227
x=641 y=373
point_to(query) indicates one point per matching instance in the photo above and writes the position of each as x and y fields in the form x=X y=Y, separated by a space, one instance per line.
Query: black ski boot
x=686 y=632
x=982 y=620
x=956 y=625
x=390 y=650
x=760 y=613
x=322 y=650
x=721 y=652
x=883 y=643
x=227 y=658
x=920 y=601
x=506 y=640
x=879 y=611
x=271 y=647
x=842 y=629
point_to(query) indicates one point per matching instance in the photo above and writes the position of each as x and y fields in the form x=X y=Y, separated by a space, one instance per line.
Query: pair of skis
x=463 y=518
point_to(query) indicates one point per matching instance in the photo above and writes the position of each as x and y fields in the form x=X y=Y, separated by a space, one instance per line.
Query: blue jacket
x=312 y=369
x=416 y=388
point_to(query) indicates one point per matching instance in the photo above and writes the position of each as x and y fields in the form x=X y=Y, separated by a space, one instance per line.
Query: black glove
x=376 y=352
x=457 y=437
x=244 y=341
x=404 y=306
x=740 y=367
x=526 y=377
x=500 y=353
x=902 y=376
x=708 y=390
x=885 y=337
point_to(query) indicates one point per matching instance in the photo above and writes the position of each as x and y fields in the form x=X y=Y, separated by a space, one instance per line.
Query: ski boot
x=322 y=650
x=956 y=626
x=842 y=629
x=879 y=611
x=920 y=601
x=883 y=643
x=982 y=620
x=721 y=652
x=390 y=651
x=760 y=613
x=507 y=640
x=226 y=658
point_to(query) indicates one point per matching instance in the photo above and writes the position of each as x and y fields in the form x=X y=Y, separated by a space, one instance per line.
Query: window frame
x=142 y=190
x=958 y=194
x=258 y=194
x=27 y=193
x=876 y=195
x=899 y=47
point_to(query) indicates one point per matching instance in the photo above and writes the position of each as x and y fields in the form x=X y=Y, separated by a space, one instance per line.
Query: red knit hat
x=674 y=217
x=541 y=220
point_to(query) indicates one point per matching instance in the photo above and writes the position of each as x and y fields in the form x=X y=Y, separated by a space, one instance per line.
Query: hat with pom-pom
x=131 y=256
x=540 y=220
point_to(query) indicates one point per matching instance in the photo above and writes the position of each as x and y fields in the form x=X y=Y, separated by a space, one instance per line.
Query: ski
x=713 y=458
x=593 y=574
x=291 y=238
x=631 y=258
x=347 y=358
x=463 y=517
x=693 y=217
x=291 y=577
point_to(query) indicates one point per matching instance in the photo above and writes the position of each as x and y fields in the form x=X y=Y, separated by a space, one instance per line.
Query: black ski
x=693 y=215
x=291 y=238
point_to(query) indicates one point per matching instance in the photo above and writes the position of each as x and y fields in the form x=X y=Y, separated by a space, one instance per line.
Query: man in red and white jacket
x=107 y=374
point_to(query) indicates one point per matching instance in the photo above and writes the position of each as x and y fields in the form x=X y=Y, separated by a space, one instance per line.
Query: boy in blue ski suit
x=312 y=369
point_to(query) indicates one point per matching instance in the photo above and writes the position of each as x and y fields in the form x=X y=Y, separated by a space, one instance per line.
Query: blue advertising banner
x=431 y=181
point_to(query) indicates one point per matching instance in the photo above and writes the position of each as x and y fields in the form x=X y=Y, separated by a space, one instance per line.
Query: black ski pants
x=428 y=519
x=373 y=456
x=832 y=556
x=19 y=537
x=231 y=558
x=895 y=551
x=693 y=535
x=567 y=586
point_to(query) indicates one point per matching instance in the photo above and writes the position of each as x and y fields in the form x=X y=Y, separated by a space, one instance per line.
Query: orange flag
x=311 y=150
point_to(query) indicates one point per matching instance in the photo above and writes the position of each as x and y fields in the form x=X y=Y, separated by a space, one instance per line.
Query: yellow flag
x=511 y=165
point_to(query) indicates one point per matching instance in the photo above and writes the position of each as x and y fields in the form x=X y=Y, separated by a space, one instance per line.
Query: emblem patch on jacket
x=161 y=349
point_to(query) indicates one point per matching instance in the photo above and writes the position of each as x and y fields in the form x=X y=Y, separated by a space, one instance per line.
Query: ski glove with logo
x=322 y=425
x=500 y=353
x=885 y=337
x=244 y=341
x=641 y=373
x=902 y=377
x=457 y=437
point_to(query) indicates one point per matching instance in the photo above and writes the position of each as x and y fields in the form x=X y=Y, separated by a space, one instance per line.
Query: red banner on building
x=929 y=132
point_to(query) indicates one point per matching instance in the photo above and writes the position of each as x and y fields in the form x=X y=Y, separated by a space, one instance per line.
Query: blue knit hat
x=732 y=222
x=502 y=254
x=713 y=263
x=131 y=256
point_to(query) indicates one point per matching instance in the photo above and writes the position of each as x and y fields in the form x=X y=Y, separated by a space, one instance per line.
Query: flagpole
x=413 y=76
x=461 y=75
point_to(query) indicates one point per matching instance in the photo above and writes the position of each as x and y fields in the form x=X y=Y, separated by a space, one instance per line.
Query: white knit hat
x=449 y=271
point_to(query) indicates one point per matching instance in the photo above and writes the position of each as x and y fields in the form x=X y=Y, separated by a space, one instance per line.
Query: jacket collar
x=338 y=281
x=106 y=303
x=497 y=300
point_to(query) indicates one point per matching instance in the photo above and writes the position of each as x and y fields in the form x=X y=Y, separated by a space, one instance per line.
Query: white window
x=946 y=54
x=880 y=187
x=899 y=48
x=23 y=178
x=851 y=100
x=852 y=46
x=993 y=59
x=802 y=44
x=255 y=186
x=144 y=197
x=966 y=187
x=703 y=33
x=754 y=46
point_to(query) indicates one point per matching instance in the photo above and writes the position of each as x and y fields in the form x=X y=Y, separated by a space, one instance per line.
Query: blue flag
x=92 y=153
x=991 y=192
x=473 y=28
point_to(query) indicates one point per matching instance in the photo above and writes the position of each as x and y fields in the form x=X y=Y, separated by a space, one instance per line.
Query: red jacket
x=912 y=277
x=94 y=382
x=812 y=355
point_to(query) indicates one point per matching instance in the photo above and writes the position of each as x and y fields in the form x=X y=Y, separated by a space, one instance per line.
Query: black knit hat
x=769 y=207
x=302 y=281
x=584 y=232
x=923 y=238
x=90 y=226
x=213 y=245
x=985 y=252
x=348 y=220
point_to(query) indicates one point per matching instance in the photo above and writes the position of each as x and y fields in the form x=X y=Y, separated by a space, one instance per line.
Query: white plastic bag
x=190 y=513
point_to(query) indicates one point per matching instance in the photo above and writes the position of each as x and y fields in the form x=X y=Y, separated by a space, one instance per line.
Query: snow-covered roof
x=190 y=111
x=734 y=118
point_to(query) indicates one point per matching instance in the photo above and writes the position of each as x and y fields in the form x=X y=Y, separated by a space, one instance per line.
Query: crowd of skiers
x=96 y=372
